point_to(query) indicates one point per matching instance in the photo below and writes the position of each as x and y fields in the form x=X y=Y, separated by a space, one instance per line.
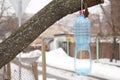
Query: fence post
x=97 y=48
x=119 y=51
x=35 y=70
x=9 y=71
x=43 y=60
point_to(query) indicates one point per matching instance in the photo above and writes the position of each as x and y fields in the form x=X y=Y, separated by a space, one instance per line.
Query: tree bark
x=115 y=17
x=31 y=29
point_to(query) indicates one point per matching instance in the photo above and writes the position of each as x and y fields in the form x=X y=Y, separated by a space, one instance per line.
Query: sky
x=35 y=5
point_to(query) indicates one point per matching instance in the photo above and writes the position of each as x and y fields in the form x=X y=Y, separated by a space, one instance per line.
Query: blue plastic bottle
x=82 y=35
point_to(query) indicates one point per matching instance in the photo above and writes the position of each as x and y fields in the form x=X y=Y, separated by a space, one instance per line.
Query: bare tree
x=113 y=20
x=7 y=22
x=4 y=10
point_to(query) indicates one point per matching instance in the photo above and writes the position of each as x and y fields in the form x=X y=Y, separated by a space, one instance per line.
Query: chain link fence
x=25 y=71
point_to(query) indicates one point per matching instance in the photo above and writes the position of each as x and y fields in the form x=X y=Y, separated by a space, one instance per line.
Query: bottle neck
x=82 y=15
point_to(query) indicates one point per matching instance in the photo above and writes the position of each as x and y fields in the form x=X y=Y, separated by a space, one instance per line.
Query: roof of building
x=55 y=29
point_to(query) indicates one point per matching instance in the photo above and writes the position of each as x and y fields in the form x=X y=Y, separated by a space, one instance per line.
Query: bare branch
x=108 y=20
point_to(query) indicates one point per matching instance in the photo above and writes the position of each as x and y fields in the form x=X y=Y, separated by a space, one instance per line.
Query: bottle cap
x=81 y=12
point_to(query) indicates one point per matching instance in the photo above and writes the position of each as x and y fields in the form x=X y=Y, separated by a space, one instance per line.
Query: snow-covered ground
x=60 y=59
x=61 y=67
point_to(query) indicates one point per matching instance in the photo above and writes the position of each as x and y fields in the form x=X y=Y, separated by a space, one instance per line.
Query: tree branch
x=30 y=30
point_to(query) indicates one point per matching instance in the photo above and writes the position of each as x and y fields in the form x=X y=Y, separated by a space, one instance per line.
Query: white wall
x=54 y=44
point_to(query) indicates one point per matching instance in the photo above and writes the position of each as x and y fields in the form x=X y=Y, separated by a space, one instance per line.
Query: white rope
x=81 y=4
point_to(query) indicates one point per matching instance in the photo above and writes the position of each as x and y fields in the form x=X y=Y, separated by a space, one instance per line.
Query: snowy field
x=103 y=68
x=61 y=67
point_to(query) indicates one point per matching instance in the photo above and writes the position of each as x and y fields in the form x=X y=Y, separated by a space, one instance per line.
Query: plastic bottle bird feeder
x=82 y=32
